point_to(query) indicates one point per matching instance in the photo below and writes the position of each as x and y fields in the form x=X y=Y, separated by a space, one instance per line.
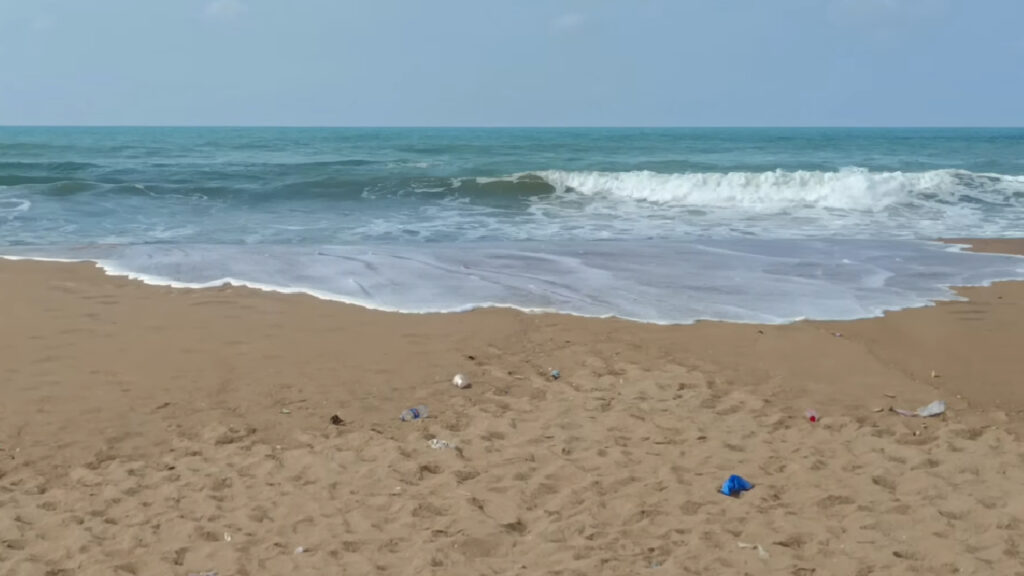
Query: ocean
x=654 y=225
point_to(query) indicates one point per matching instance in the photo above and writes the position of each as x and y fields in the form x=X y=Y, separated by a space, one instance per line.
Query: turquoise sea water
x=661 y=225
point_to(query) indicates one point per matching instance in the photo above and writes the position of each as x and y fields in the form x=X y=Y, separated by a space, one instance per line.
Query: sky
x=512 y=63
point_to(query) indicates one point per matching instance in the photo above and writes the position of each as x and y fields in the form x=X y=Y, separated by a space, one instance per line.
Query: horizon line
x=529 y=127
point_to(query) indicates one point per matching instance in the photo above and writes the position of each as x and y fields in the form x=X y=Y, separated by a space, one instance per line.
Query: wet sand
x=150 y=431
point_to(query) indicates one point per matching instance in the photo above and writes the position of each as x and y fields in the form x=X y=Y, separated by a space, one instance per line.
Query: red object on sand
x=811 y=415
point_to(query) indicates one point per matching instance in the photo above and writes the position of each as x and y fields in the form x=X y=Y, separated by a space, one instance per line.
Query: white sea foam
x=12 y=207
x=765 y=281
x=848 y=189
x=849 y=203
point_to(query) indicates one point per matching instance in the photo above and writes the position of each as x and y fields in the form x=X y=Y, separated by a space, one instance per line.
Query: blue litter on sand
x=556 y=374
x=734 y=485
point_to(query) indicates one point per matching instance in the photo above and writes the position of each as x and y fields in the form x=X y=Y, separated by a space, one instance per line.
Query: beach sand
x=153 y=431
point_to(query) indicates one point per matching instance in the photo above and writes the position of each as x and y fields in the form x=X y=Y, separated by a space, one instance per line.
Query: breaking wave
x=848 y=189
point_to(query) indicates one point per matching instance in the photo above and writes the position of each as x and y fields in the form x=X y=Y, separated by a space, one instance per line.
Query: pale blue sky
x=517 y=62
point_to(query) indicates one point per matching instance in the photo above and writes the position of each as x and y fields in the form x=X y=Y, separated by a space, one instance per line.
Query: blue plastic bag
x=734 y=485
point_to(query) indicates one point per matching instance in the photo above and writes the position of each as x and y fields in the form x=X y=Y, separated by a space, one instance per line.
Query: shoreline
x=143 y=423
x=999 y=247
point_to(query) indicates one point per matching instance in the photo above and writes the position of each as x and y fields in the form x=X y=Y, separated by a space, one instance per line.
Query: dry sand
x=152 y=431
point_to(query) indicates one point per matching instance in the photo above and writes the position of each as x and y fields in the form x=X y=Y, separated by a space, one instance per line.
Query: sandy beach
x=153 y=431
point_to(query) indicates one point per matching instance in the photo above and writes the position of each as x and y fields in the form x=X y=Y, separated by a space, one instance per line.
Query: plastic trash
x=460 y=381
x=934 y=409
x=735 y=485
x=415 y=413
x=555 y=374
x=438 y=444
x=811 y=416
x=761 y=552
x=300 y=550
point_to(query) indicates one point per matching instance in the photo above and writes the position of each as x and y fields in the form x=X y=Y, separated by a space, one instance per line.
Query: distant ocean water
x=657 y=225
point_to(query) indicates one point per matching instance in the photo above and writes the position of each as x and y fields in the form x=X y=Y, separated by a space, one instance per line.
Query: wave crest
x=847 y=189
